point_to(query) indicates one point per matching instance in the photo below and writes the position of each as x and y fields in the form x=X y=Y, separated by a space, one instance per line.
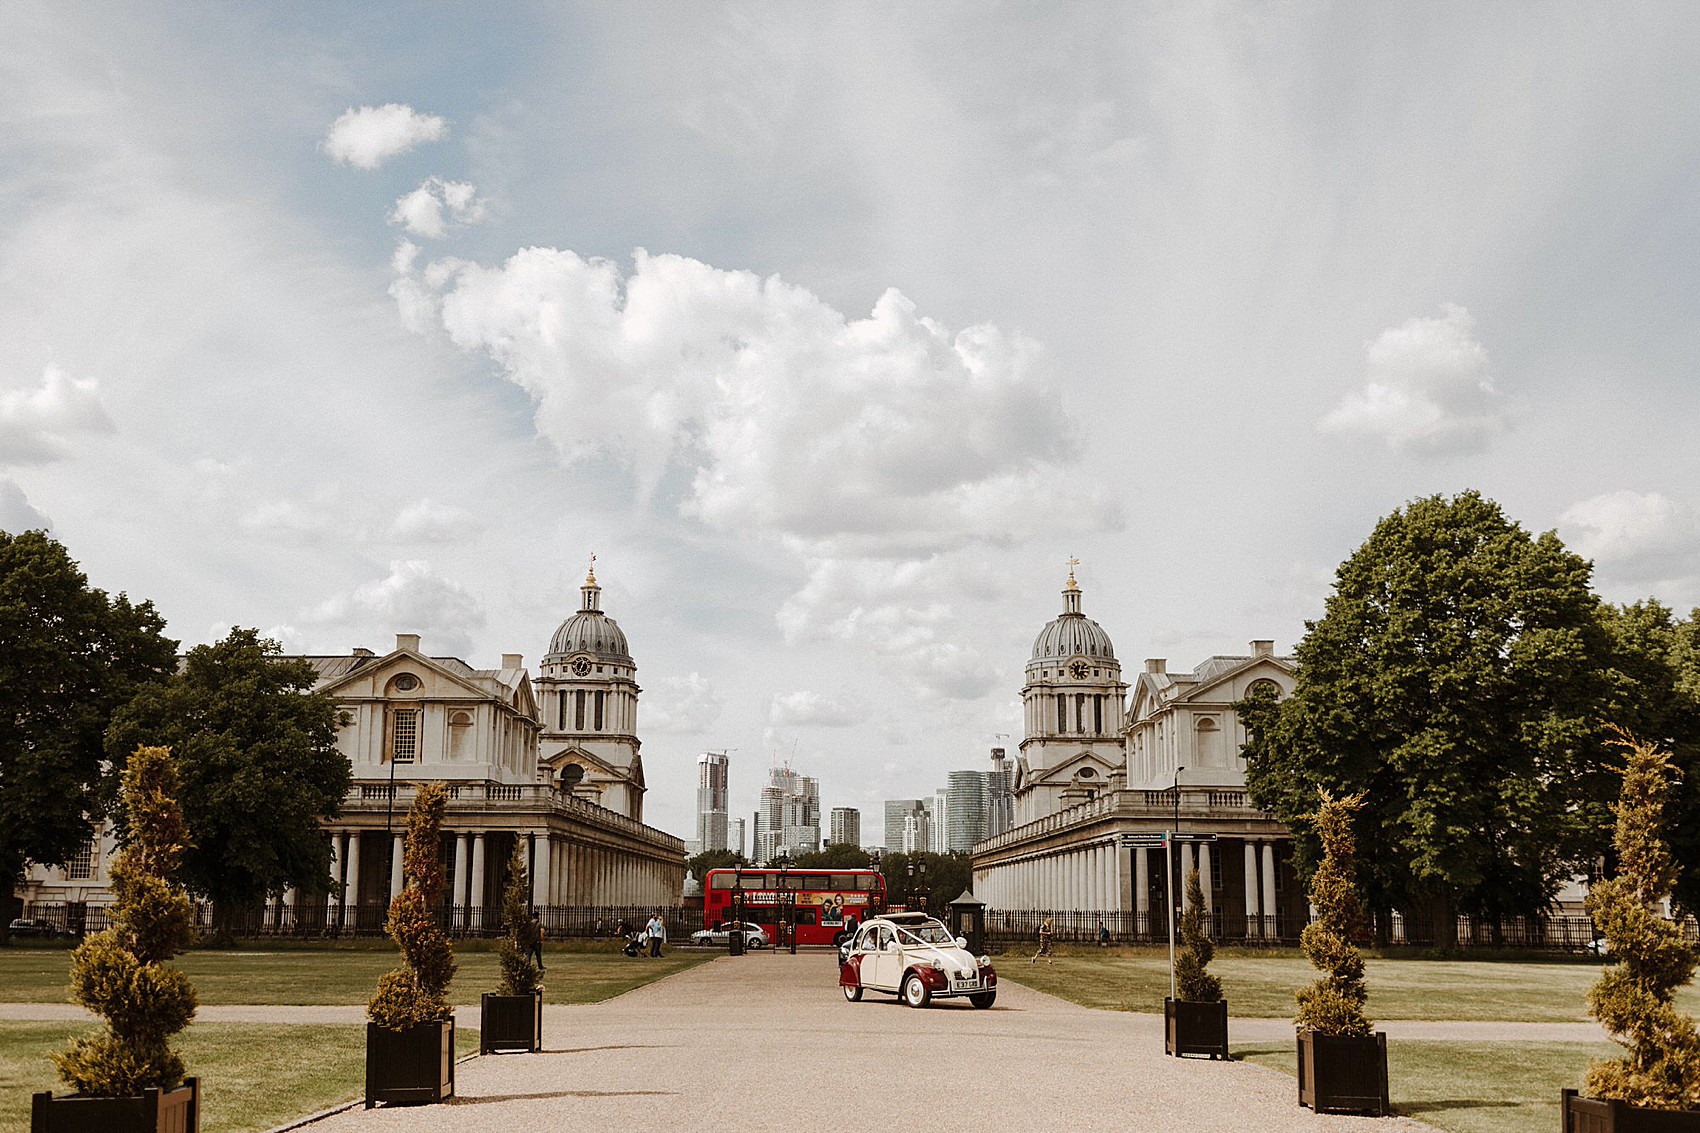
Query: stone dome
x=1072 y=633
x=590 y=630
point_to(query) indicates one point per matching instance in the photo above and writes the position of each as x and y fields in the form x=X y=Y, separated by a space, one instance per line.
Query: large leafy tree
x=839 y=855
x=941 y=878
x=69 y=656
x=1457 y=679
x=257 y=753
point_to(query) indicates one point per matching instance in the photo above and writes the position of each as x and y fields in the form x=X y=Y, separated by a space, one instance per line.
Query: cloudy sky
x=835 y=331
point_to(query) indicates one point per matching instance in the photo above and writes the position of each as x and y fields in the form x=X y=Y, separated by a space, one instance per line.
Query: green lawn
x=1469 y=1087
x=324 y=974
x=1261 y=985
x=253 y=1076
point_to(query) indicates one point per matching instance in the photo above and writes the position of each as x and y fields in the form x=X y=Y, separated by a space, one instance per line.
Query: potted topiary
x=128 y=1079
x=1342 y=1061
x=410 y=1036
x=1656 y=1089
x=1196 y=1021
x=511 y=1017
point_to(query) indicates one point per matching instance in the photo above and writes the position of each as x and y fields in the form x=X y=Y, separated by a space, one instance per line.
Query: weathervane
x=1072 y=563
x=591 y=580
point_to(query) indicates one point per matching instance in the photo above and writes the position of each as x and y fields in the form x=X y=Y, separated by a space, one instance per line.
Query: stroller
x=634 y=945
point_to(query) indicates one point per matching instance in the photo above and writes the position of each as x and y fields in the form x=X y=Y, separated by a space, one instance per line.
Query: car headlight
x=935 y=962
x=984 y=961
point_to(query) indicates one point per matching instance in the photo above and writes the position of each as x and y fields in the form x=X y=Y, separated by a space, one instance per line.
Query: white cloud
x=17 y=514
x=286 y=517
x=677 y=705
x=861 y=436
x=35 y=424
x=367 y=136
x=427 y=521
x=430 y=209
x=412 y=598
x=1427 y=389
x=1635 y=536
x=804 y=708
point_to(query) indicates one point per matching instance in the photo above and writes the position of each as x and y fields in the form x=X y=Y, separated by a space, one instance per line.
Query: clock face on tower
x=1077 y=670
x=580 y=666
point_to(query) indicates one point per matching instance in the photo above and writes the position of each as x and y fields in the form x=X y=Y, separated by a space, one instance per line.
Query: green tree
x=940 y=878
x=839 y=855
x=260 y=768
x=121 y=974
x=1193 y=980
x=1334 y=1004
x=1456 y=679
x=1633 y=999
x=700 y=864
x=69 y=656
x=417 y=992
x=521 y=933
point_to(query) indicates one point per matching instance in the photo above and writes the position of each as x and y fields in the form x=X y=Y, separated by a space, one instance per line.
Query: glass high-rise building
x=788 y=818
x=712 y=774
x=846 y=825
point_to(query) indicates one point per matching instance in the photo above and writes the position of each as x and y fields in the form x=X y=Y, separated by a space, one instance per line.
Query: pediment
x=1069 y=769
x=591 y=762
x=437 y=680
x=1253 y=668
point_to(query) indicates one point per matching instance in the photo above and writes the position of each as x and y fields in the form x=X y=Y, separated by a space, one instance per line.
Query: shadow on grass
x=1241 y=1053
x=1414 y=1108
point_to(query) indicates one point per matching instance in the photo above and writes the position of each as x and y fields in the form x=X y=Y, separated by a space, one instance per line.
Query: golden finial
x=1072 y=563
x=590 y=579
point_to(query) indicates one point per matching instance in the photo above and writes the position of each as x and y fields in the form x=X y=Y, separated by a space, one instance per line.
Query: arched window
x=460 y=735
x=1209 y=735
x=571 y=776
x=1262 y=685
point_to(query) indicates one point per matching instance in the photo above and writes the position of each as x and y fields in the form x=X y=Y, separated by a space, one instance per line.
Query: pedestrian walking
x=657 y=933
x=1103 y=935
x=537 y=947
x=1044 y=943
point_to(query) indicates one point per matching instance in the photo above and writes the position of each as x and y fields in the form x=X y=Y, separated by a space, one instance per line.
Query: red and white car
x=914 y=956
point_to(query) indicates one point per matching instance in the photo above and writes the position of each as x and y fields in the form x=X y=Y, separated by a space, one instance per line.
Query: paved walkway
x=768 y=1044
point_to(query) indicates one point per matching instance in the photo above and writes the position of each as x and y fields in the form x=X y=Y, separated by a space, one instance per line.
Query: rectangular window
x=1098 y=714
x=81 y=865
x=563 y=723
x=578 y=711
x=601 y=699
x=404 y=735
x=1062 y=713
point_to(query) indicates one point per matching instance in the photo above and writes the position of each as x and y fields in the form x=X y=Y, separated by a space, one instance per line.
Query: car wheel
x=853 y=994
x=915 y=993
x=985 y=999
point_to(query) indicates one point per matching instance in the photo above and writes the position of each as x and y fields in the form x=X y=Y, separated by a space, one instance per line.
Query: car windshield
x=931 y=932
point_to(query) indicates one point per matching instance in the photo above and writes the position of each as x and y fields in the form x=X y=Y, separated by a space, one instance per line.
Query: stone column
x=1188 y=864
x=458 y=897
x=1253 y=929
x=541 y=848
x=1204 y=874
x=351 y=888
x=333 y=898
x=1142 y=888
x=396 y=878
x=1269 y=926
x=476 y=898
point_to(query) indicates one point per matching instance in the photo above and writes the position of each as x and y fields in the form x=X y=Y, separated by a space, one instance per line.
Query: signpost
x=1166 y=841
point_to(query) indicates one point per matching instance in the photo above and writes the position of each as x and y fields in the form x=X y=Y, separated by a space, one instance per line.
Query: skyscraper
x=896 y=810
x=735 y=837
x=940 y=815
x=964 y=822
x=1000 y=794
x=846 y=825
x=789 y=816
x=712 y=772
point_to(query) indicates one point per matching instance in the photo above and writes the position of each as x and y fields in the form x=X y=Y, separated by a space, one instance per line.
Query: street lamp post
x=1169 y=876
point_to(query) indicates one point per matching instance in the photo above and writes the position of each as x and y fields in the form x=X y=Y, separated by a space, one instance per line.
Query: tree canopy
x=839 y=855
x=1457 y=679
x=941 y=878
x=69 y=656
x=700 y=864
x=257 y=754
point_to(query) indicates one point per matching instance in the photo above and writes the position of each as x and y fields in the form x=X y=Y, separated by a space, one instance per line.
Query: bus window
x=867 y=881
x=722 y=881
x=803 y=916
x=843 y=881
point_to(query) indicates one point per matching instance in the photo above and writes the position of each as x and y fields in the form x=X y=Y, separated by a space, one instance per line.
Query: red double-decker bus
x=816 y=901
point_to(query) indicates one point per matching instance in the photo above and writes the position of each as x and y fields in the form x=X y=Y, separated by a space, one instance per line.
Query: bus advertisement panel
x=818 y=902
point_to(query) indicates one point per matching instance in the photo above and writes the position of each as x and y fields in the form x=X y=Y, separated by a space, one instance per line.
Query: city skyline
x=835 y=334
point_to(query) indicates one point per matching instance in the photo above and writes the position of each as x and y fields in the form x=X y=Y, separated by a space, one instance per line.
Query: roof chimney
x=1157 y=666
x=407 y=641
x=513 y=661
x=1263 y=649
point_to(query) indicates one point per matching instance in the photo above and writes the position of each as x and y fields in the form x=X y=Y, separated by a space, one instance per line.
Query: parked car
x=754 y=935
x=33 y=926
x=915 y=957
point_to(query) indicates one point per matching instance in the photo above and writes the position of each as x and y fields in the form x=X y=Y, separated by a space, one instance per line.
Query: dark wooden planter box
x=1344 y=1073
x=1598 y=1115
x=1195 y=1027
x=412 y=1066
x=154 y=1111
x=510 y=1022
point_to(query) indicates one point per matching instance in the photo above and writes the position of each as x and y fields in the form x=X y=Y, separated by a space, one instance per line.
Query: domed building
x=587 y=694
x=1072 y=705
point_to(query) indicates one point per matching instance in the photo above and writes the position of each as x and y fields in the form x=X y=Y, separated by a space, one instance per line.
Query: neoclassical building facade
x=1102 y=760
x=552 y=768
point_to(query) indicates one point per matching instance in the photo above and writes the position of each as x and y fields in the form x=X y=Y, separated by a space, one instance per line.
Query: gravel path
x=767 y=1043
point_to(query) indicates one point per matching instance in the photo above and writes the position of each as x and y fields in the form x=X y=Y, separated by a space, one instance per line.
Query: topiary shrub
x=1633 y=996
x=520 y=931
x=1334 y=1005
x=416 y=992
x=1192 y=981
x=121 y=974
